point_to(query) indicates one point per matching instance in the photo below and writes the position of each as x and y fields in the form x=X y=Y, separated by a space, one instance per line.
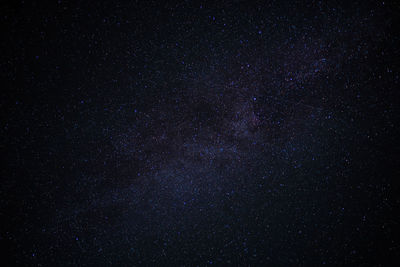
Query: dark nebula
x=228 y=133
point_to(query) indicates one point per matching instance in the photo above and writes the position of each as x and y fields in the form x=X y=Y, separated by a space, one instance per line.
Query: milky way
x=200 y=134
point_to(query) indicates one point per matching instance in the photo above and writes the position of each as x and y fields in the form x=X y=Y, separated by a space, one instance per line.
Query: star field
x=228 y=133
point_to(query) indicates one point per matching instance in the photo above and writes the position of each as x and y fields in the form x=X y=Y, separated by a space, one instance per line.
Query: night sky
x=227 y=133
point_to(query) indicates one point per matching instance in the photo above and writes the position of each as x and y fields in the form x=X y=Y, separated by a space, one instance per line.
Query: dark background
x=241 y=133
